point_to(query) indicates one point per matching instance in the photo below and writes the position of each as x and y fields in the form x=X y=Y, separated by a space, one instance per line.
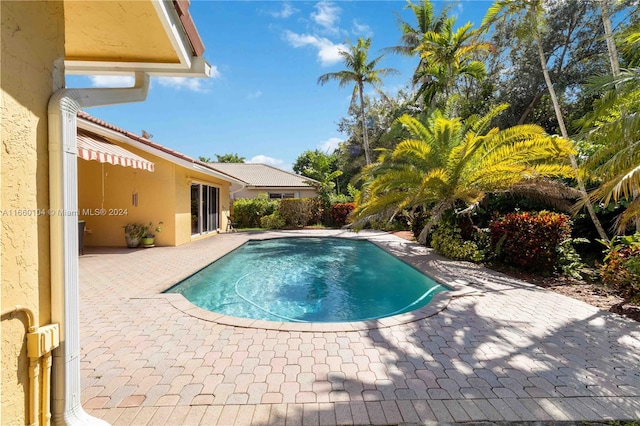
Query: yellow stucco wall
x=184 y=178
x=32 y=45
x=155 y=200
x=163 y=195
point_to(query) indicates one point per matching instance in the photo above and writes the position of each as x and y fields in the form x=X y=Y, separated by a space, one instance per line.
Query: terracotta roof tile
x=145 y=141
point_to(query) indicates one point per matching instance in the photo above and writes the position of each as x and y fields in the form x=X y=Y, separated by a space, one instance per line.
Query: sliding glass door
x=205 y=201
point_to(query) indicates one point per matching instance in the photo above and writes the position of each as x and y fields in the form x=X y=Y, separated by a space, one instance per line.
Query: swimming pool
x=309 y=279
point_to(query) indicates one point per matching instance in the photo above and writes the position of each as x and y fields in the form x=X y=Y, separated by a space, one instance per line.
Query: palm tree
x=614 y=127
x=448 y=161
x=412 y=36
x=530 y=14
x=608 y=32
x=447 y=55
x=360 y=71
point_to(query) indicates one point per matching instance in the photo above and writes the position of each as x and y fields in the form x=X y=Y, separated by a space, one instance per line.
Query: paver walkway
x=508 y=352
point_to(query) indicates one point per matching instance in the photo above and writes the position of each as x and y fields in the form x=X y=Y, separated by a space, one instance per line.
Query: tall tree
x=448 y=55
x=614 y=128
x=412 y=36
x=608 y=33
x=574 y=45
x=530 y=15
x=448 y=160
x=359 y=71
x=321 y=167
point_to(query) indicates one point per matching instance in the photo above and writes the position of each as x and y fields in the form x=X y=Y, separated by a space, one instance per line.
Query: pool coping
x=407 y=251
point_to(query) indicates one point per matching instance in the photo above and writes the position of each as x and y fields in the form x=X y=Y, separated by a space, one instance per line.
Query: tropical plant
x=134 y=230
x=321 y=167
x=360 y=71
x=340 y=213
x=614 y=129
x=447 y=240
x=149 y=231
x=530 y=241
x=621 y=265
x=447 y=55
x=448 y=161
x=530 y=14
x=426 y=22
x=574 y=44
x=411 y=38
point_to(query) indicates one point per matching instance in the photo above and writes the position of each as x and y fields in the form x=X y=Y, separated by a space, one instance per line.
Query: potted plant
x=149 y=234
x=132 y=234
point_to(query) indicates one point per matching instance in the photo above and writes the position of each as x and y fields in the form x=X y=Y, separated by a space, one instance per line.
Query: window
x=279 y=196
x=205 y=201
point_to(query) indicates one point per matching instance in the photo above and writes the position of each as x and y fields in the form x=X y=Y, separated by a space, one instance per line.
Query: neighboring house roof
x=262 y=175
x=102 y=128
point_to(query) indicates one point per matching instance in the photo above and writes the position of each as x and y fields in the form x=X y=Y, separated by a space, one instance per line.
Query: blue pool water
x=309 y=280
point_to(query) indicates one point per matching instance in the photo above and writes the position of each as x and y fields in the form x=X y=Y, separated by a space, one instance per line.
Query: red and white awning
x=97 y=148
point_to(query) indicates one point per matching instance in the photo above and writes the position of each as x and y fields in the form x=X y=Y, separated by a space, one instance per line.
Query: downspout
x=63 y=208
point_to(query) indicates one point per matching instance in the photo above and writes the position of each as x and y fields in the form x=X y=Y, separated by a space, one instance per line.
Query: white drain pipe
x=63 y=215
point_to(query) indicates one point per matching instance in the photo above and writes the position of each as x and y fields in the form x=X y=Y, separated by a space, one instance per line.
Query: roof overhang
x=166 y=154
x=157 y=37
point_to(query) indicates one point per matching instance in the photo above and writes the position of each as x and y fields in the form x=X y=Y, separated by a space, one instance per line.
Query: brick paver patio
x=501 y=350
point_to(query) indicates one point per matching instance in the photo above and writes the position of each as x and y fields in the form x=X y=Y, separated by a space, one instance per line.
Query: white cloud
x=254 y=95
x=361 y=29
x=328 y=52
x=193 y=84
x=327 y=15
x=287 y=10
x=458 y=10
x=263 y=159
x=330 y=145
x=112 y=80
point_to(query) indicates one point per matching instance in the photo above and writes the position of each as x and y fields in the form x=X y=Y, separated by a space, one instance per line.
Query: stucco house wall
x=162 y=195
x=41 y=40
x=32 y=55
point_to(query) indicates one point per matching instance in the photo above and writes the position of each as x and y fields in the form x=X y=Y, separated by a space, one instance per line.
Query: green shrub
x=447 y=241
x=339 y=198
x=340 y=212
x=299 y=211
x=621 y=267
x=530 y=241
x=272 y=221
x=247 y=212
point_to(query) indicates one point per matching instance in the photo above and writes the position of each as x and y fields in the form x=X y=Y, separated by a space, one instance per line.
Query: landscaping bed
x=593 y=293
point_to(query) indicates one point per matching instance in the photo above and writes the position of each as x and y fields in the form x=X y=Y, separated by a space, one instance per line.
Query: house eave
x=182 y=161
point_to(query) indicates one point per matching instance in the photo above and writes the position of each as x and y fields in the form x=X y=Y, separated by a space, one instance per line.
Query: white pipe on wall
x=63 y=202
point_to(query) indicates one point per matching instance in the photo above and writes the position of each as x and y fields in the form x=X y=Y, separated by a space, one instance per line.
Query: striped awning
x=97 y=148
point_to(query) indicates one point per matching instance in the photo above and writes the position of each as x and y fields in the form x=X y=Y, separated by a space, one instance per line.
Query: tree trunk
x=608 y=34
x=613 y=60
x=365 y=136
x=563 y=129
x=530 y=108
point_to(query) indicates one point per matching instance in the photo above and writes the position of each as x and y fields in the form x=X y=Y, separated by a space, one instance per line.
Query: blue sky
x=262 y=100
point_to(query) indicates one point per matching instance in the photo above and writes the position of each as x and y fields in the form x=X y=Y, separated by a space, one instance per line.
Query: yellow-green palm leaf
x=447 y=160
